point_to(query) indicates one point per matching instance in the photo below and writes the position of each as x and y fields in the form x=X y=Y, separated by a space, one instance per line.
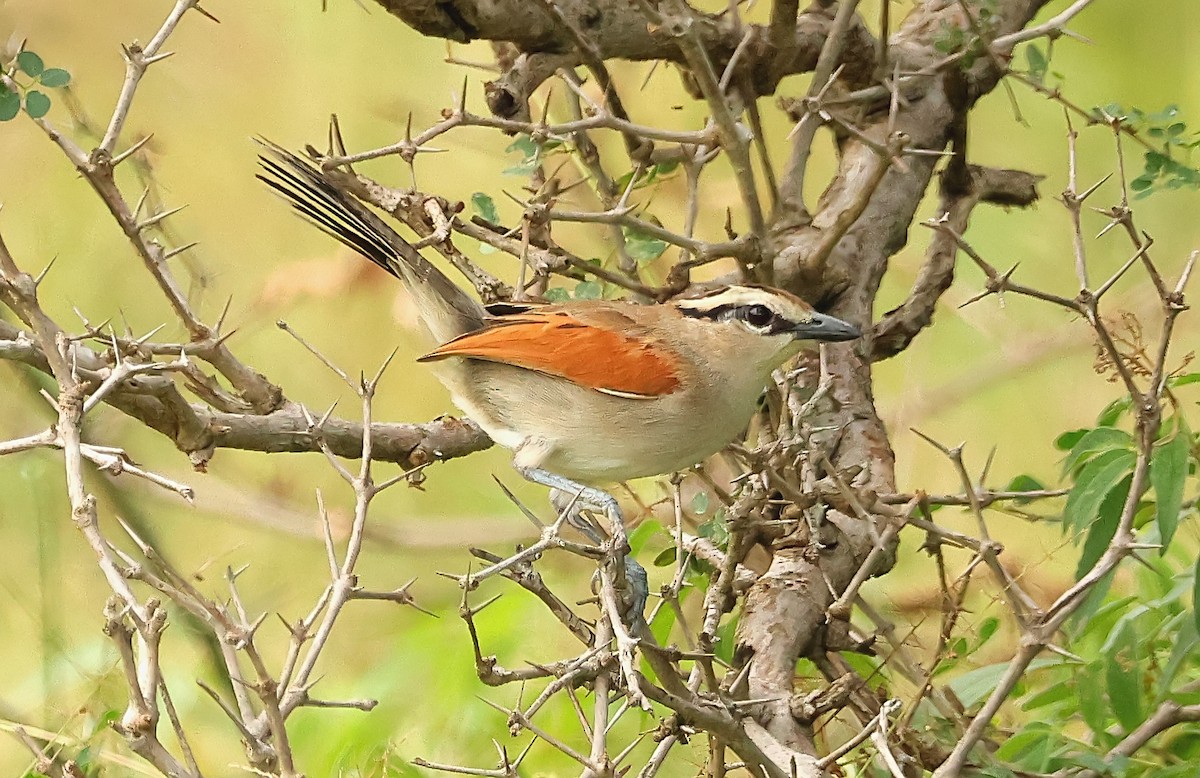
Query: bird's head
x=762 y=324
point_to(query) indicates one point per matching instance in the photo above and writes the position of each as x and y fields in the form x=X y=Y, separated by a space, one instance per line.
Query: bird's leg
x=589 y=497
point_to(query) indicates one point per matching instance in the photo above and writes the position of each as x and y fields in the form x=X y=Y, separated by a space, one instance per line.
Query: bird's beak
x=823 y=327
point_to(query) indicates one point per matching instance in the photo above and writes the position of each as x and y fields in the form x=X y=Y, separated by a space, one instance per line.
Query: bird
x=585 y=393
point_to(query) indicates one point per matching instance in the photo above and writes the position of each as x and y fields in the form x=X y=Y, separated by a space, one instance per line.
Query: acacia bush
x=784 y=638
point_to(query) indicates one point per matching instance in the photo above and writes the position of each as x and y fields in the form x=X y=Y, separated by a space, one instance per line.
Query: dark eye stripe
x=777 y=323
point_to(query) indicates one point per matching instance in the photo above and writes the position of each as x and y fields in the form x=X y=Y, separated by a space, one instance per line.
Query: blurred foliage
x=1013 y=375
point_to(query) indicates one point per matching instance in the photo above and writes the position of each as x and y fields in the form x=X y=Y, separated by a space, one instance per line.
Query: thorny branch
x=811 y=509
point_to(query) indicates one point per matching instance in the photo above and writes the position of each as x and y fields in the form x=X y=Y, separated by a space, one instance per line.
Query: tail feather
x=329 y=214
x=446 y=310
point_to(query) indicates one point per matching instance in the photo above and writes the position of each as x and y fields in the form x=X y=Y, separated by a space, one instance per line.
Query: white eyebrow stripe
x=737 y=296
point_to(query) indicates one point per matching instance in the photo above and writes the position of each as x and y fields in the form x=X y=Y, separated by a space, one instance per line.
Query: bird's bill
x=824 y=327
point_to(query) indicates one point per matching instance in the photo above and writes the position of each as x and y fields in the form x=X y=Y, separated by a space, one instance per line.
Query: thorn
x=221 y=340
x=129 y=152
x=1108 y=226
x=205 y=13
x=147 y=61
x=42 y=275
x=382 y=368
x=137 y=209
x=149 y=334
x=179 y=250
x=153 y=220
x=1090 y=190
x=328 y=413
x=224 y=313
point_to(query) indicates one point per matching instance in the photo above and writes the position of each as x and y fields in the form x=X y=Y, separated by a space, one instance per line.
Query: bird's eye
x=758 y=315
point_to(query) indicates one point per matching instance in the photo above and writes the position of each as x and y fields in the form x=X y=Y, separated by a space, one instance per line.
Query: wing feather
x=556 y=343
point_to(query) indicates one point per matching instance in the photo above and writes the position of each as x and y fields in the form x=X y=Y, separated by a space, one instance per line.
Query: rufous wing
x=558 y=344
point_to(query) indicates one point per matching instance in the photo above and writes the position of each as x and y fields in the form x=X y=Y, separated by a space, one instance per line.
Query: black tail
x=332 y=211
x=446 y=309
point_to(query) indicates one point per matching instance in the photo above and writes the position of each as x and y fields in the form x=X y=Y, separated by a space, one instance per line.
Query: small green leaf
x=643 y=247
x=1183 y=646
x=1099 y=477
x=1026 y=748
x=715 y=530
x=1054 y=693
x=1038 y=64
x=1093 y=442
x=1067 y=440
x=1122 y=675
x=1155 y=161
x=1102 y=530
x=700 y=503
x=1024 y=483
x=37 y=104
x=487 y=248
x=640 y=535
x=485 y=206
x=556 y=294
x=55 y=77
x=666 y=557
x=986 y=630
x=1168 y=471
x=588 y=290
x=523 y=144
x=1141 y=183
x=30 y=63
x=1196 y=594
x=10 y=105
x=1091 y=698
x=1114 y=411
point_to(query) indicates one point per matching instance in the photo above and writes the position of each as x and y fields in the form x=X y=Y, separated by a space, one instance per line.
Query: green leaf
x=1183 y=645
x=55 y=77
x=1094 y=442
x=1054 y=693
x=666 y=557
x=1038 y=64
x=37 y=104
x=986 y=630
x=556 y=294
x=588 y=290
x=1027 y=748
x=1102 y=530
x=1122 y=674
x=1024 y=483
x=973 y=687
x=640 y=535
x=1141 y=184
x=1098 y=477
x=1114 y=411
x=1067 y=440
x=715 y=530
x=10 y=105
x=700 y=503
x=1196 y=594
x=643 y=247
x=1168 y=471
x=1091 y=698
x=30 y=63
x=485 y=206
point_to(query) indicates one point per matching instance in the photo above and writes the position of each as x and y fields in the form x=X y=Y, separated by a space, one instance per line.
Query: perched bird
x=589 y=392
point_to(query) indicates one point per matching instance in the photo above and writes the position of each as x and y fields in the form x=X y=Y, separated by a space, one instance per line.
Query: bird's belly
x=592 y=437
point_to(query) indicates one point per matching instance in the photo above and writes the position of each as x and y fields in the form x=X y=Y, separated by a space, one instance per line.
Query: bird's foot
x=575 y=500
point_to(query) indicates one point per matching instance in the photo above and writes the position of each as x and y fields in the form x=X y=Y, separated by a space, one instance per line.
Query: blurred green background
x=1008 y=374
